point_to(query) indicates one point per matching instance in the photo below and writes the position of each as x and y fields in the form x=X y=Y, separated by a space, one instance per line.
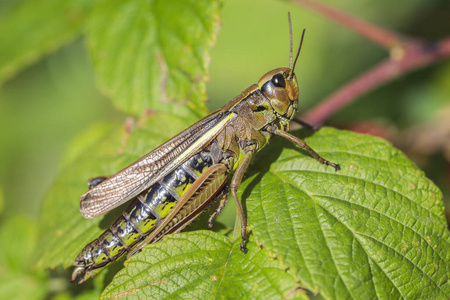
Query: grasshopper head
x=280 y=87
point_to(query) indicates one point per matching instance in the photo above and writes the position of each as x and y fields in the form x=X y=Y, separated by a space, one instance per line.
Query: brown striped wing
x=142 y=174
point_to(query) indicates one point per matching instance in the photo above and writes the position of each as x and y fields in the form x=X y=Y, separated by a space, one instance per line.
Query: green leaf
x=153 y=54
x=374 y=229
x=18 y=240
x=30 y=29
x=102 y=150
x=202 y=265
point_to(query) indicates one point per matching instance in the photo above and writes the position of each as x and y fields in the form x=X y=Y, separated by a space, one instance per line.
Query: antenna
x=290 y=37
x=298 y=52
x=292 y=66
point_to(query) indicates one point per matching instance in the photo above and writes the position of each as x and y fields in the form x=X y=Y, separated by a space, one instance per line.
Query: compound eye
x=278 y=81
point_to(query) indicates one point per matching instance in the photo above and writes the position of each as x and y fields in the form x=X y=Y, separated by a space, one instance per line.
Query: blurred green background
x=43 y=107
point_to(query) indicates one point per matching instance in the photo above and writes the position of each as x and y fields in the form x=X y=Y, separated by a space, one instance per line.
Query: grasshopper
x=170 y=186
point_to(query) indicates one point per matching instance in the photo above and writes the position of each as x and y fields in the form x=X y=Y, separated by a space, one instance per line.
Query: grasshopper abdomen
x=145 y=213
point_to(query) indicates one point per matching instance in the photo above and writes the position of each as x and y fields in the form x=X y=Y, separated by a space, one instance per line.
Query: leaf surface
x=30 y=29
x=153 y=54
x=202 y=265
x=376 y=228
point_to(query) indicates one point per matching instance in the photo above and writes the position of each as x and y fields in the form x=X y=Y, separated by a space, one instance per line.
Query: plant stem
x=418 y=55
x=406 y=55
x=377 y=34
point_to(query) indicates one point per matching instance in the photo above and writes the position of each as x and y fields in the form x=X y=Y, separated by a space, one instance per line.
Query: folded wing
x=142 y=174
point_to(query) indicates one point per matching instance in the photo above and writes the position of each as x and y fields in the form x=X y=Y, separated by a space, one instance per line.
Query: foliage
x=202 y=265
x=374 y=229
x=146 y=55
x=18 y=237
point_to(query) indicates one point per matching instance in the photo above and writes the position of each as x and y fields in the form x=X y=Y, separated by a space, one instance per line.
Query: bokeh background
x=54 y=99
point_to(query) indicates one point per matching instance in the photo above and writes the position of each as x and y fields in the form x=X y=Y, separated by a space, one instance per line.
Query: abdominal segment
x=141 y=217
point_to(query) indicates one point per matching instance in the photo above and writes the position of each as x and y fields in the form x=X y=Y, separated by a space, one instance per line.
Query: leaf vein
x=395 y=250
x=367 y=181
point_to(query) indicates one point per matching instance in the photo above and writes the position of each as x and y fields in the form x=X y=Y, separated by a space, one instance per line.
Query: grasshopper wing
x=142 y=174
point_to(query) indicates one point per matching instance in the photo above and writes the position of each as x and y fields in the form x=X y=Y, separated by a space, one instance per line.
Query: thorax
x=247 y=129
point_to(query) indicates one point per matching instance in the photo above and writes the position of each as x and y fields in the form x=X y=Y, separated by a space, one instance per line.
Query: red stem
x=377 y=34
x=406 y=55
x=418 y=54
